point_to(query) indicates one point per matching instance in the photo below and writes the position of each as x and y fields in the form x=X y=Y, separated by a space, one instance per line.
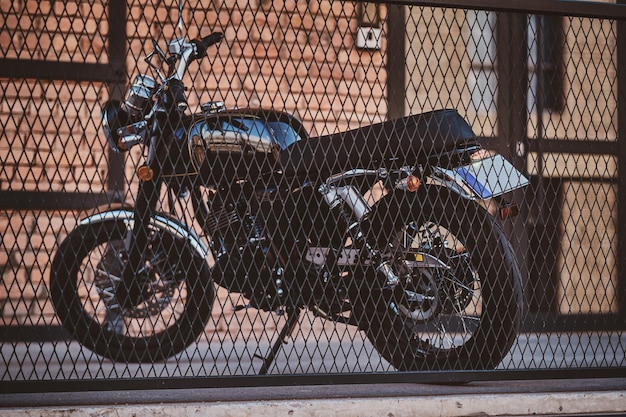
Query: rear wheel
x=457 y=305
x=173 y=309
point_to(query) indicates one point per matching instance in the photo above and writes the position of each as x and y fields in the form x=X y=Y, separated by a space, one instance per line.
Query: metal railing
x=538 y=82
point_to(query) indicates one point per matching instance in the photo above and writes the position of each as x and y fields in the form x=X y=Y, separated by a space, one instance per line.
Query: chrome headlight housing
x=114 y=117
x=139 y=97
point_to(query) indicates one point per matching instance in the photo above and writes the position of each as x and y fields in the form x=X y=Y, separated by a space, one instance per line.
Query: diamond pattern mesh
x=279 y=303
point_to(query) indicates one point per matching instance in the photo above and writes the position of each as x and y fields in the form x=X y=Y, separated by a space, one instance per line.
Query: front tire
x=458 y=303
x=174 y=307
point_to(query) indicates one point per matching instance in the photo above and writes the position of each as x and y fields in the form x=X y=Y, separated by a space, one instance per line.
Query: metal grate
x=539 y=87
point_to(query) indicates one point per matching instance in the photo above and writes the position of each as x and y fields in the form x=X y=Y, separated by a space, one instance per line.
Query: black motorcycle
x=385 y=227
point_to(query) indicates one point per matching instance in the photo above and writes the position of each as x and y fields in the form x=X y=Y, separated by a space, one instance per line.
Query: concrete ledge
x=497 y=398
x=584 y=403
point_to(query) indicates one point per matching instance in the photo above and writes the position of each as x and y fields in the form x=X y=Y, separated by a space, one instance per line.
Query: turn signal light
x=144 y=173
x=506 y=212
x=412 y=183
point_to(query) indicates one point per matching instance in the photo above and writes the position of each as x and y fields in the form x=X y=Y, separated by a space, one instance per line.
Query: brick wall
x=291 y=55
x=295 y=56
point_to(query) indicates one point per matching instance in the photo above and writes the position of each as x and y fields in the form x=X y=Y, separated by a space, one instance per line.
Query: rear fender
x=159 y=222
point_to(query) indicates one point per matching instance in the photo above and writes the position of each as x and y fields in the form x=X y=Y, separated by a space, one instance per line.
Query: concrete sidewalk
x=501 y=398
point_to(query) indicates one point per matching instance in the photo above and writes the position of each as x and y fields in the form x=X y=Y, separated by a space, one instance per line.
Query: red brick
x=301 y=64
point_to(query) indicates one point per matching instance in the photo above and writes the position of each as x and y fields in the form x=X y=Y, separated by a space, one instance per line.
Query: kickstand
x=292 y=319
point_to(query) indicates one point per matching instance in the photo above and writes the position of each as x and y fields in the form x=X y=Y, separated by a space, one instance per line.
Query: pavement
x=568 y=397
x=187 y=386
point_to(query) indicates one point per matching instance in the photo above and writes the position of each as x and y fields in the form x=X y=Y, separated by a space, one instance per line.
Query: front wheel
x=175 y=302
x=458 y=301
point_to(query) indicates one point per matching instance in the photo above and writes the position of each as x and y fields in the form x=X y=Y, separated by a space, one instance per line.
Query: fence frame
x=514 y=13
x=112 y=73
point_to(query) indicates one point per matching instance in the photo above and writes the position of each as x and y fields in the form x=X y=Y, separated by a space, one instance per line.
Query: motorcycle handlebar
x=212 y=39
x=203 y=44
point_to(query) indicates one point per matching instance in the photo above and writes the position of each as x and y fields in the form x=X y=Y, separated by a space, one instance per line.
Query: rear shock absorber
x=349 y=204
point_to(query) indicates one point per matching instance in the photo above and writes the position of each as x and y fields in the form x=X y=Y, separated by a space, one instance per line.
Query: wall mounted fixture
x=369 y=31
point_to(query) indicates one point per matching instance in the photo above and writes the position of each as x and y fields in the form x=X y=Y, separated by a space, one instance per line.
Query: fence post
x=512 y=66
x=512 y=73
x=396 y=60
x=621 y=165
x=117 y=59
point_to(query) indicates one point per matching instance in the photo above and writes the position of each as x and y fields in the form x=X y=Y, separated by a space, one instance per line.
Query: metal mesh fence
x=249 y=264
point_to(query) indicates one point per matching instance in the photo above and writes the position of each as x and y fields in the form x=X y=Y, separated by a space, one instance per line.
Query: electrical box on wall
x=368 y=38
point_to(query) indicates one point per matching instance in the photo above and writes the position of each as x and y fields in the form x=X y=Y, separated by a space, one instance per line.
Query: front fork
x=134 y=277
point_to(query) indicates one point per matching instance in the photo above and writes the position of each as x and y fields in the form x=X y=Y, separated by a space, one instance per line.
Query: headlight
x=138 y=100
x=114 y=117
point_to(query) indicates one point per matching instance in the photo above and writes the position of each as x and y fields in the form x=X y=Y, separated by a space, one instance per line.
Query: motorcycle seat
x=394 y=143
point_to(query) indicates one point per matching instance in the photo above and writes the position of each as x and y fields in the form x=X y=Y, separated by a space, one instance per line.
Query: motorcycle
x=385 y=227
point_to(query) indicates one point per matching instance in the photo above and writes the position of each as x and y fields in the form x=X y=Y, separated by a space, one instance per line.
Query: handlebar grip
x=212 y=39
x=203 y=44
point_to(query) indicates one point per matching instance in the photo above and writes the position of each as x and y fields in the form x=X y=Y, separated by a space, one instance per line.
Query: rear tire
x=175 y=304
x=461 y=312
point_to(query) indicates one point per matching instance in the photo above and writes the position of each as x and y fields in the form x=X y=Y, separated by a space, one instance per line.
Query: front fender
x=159 y=222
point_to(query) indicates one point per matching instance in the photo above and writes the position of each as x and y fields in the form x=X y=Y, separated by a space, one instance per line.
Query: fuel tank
x=240 y=144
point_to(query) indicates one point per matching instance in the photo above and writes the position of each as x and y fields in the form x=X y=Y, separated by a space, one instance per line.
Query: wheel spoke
x=439 y=312
x=457 y=287
x=163 y=301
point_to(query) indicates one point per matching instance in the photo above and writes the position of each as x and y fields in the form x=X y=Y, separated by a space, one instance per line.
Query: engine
x=246 y=262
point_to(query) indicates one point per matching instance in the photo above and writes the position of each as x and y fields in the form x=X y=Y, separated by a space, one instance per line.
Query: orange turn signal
x=509 y=211
x=412 y=183
x=121 y=144
x=144 y=173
